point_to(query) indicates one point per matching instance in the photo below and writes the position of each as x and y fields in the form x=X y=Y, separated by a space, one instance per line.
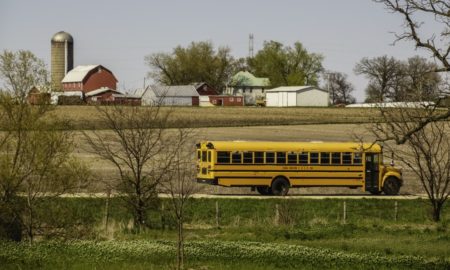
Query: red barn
x=89 y=78
x=205 y=89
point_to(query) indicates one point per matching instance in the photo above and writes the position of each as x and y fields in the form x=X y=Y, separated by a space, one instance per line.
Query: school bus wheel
x=391 y=186
x=280 y=186
x=264 y=190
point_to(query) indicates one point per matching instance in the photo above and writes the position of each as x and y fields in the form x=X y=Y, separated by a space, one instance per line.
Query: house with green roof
x=247 y=85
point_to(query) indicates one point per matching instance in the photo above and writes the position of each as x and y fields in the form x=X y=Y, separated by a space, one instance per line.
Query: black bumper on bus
x=207 y=181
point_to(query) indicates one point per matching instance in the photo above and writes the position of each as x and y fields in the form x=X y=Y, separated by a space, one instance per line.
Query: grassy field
x=305 y=234
x=86 y=117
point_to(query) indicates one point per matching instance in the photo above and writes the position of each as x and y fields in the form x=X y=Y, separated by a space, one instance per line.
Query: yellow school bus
x=273 y=167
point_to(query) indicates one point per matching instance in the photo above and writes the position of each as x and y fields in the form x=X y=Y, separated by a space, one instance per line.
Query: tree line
x=390 y=79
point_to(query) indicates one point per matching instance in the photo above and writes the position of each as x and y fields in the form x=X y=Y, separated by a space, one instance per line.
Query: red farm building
x=226 y=100
x=108 y=96
x=89 y=78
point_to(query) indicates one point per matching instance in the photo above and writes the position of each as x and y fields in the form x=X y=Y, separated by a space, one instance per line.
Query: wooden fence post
x=217 y=215
x=108 y=197
x=163 y=216
x=345 y=212
x=396 y=211
x=277 y=214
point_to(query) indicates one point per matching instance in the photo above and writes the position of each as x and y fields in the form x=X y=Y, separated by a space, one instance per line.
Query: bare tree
x=180 y=184
x=340 y=89
x=426 y=152
x=420 y=82
x=137 y=144
x=394 y=80
x=384 y=74
x=437 y=43
x=35 y=152
x=421 y=130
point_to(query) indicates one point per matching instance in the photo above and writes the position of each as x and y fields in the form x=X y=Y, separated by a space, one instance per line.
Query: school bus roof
x=290 y=146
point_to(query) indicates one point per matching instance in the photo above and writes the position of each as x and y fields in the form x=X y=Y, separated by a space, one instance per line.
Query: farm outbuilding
x=174 y=95
x=227 y=100
x=293 y=96
x=89 y=78
x=107 y=96
x=205 y=89
x=38 y=96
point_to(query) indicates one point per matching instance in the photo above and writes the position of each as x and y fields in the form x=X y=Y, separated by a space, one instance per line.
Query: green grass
x=77 y=254
x=309 y=233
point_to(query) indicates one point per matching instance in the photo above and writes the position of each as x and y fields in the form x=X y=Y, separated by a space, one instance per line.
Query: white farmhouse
x=293 y=96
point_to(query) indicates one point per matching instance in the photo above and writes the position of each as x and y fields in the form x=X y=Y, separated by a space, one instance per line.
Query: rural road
x=255 y=196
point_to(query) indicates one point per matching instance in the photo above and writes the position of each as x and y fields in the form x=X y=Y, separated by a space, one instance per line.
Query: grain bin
x=62 y=58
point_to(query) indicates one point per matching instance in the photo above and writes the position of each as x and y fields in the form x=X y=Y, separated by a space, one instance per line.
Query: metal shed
x=175 y=95
x=293 y=96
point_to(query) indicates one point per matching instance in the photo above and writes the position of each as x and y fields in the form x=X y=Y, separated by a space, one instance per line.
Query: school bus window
x=357 y=159
x=303 y=158
x=314 y=158
x=248 y=157
x=209 y=156
x=236 y=158
x=292 y=158
x=270 y=157
x=199 y=154
x=324 y=158
x=375 y=158
x=281 y=157
x=259 y=157
x=204 y=156
x=223 y=157
x=335 y=158
x=346 y=158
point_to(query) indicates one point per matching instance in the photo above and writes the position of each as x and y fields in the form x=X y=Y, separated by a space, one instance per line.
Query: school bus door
x=372 y=172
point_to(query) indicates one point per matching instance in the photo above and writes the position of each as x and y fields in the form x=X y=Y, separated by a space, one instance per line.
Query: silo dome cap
x=62 y=36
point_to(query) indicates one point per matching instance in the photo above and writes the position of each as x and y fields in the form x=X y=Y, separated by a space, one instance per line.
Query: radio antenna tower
x=250 y=45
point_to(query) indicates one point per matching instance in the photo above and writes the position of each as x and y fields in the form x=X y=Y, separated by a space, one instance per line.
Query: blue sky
x=119 y=34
